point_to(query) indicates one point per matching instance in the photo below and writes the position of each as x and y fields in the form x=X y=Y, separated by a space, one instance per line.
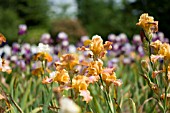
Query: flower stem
x=150 y=55
x=166 y=85
x=106 y=95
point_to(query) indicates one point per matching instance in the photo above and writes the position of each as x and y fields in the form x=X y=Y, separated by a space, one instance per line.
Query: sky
x=57 y=4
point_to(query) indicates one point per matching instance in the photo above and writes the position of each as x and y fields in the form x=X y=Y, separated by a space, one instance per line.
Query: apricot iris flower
x=147 y=23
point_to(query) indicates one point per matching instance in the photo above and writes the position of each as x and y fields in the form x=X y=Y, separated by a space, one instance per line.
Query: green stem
x=165 y=100
x=166 y=85
x=106 y=95
x=16 y=105
x=150 y=55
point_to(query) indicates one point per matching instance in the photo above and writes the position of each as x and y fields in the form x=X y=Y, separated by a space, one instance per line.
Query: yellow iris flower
x=147 y=23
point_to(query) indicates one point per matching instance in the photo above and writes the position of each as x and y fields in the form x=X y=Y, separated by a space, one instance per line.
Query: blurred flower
x=127 y=48
x=26 y=49
x=147 y=23
x=165 y=51
x=123 y=38
x=145 y=66
x=34 y=49
x=80 y=82
x=155 y=73
x=67 y=61
x=4 y=66
x=62 y=35
x=14 y=58
x=113 y=62
x=22 y=29
x=112 y=37
x=140 y=50
x=50 y=79
x=61 y=76
x=108 y=78
x=95 y=68
x=161 y=36
x=47 y=80
x=84 y=38
x=86 y=95
x=65 y=43
x=2 y=38
x=6 y=51
x=43 y=56
x=96 y=46
x=155 y=58
x=46 y=38
x=163 y=96
x=43 y=53
x=43 y=48
x=68 y=106
x=156 y=46
x=166 y=40
x=118 y=82
x=127 y=60
x=137 y=40
x=21 y=64
x=93 y=79
x=72 y=49
x=15 y=48
x=38 y=71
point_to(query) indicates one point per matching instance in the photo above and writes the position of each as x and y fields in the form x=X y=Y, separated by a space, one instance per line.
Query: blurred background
x=79 y=17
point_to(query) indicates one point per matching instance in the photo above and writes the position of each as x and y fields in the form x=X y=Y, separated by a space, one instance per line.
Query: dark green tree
x=33 y=13
x=9 y=22
x=106 y=16
x=159 y=9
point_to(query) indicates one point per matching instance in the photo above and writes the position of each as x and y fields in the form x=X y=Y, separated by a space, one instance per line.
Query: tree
x=105 y=16
x=9 y=22
x=159 y=9
x=33 y=13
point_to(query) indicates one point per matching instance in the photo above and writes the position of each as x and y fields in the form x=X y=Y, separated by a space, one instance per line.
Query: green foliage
x=9 y=21
x=72 y=27
x=34 y=34
x=33 y=13
x=158 y=8
x=27 y=92
x=105 y=17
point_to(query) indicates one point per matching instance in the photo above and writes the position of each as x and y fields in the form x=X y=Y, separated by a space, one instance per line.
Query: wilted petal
x=155 y=73
x=38 y=71
x=2 y=97
x=83 y=48
x=108 y=45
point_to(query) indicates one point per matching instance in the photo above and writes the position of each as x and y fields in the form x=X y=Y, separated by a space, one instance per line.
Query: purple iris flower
x=22 y=29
